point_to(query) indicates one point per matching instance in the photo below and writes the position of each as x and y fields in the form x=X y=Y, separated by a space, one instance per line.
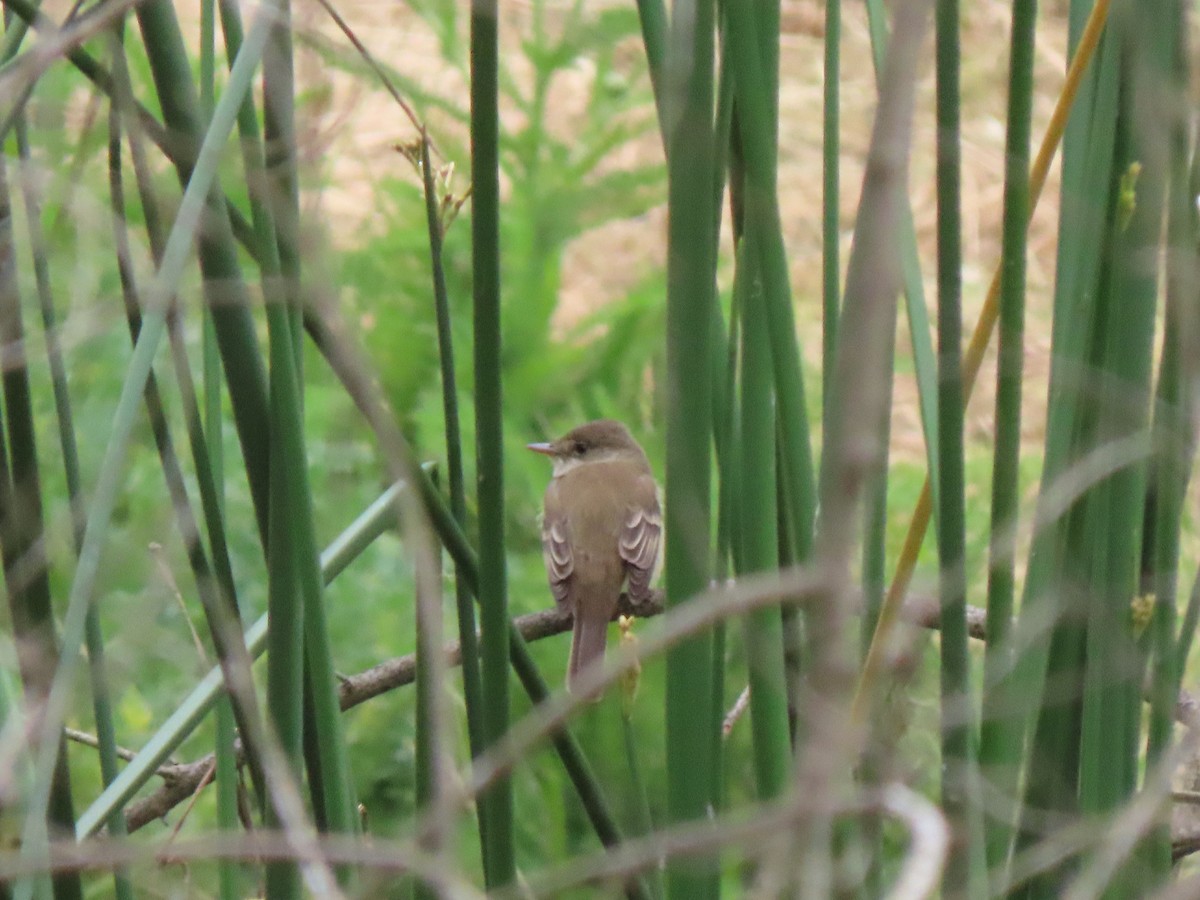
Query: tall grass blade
x=468 y=640
x=758 y=535
x=26 y=574
x=93 y=632
x=500 y=866
x=959 y=793
x=1066 y=582
x=1161 y=77
x=831 y=147
x=1000 y=736
x=107 y=487
x=688 y=102
x=225 y=290
x=226 y=776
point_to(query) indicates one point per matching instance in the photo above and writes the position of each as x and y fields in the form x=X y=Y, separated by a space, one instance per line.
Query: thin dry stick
x=918 y=876
x=740 y=705
x=930 y=842
x=852 y=449
x=973 y=359
x=743 y=829
x=378 y=70
x=168 y=577
x=21 y=74
x=90 y=740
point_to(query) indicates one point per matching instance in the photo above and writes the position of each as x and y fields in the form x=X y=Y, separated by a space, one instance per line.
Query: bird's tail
x=588 y=640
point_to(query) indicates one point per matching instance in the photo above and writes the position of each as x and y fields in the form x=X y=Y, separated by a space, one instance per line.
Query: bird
x=601 y=527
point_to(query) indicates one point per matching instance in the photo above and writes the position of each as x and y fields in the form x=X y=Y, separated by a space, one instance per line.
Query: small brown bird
x=602 y=524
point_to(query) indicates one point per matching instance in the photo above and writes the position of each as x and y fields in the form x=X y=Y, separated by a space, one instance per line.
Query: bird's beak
x=542 y=448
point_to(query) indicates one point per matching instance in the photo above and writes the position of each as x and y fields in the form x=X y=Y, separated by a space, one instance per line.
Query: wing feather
x=556 y=552
x=640 y=539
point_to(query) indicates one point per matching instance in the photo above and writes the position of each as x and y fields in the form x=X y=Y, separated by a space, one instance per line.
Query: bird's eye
x=579 y=448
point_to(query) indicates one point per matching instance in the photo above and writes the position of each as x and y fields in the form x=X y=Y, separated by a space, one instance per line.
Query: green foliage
x=560 y=183
x=578 y=151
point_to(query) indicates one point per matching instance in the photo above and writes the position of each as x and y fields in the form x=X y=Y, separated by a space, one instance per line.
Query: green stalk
x=758 y=535
x=291 y=686
x=959 y=797
x=1053 y=758
x=688 y=76
x=1000 y=734
x=93 y=631
x=225 y=290
x=281 y=191
x=284 y=324
x=831 y=266
x=754 y=90
x=500 y=864
x=1184 y=230
x=652 y=14
x=26 y=572
x=1112 y=702
x=226 y=775
x=1164 y=58
x=464 y=604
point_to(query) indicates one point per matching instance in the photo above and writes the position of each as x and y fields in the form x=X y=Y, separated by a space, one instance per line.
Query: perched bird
x=602 y=525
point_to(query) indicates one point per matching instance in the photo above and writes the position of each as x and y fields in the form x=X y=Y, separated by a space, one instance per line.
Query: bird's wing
x=556 y=552
x=640 y=539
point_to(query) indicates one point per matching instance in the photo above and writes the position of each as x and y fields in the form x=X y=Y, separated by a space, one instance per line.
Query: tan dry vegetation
x=352 y=129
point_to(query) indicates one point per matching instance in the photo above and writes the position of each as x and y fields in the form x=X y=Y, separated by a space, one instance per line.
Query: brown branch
x=394 y=673
x=182 y=780
x=179 y=783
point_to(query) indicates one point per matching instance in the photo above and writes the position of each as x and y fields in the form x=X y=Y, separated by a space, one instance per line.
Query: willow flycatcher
x=602 y=525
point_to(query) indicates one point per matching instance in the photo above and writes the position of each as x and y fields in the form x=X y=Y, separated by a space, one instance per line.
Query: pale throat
x=565 y=464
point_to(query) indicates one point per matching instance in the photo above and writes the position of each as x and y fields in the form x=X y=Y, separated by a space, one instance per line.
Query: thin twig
x=395 y=673
x=90 y=740
x=377 y=69
x=928 y=845
x=104 y=854
x=740 y=705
